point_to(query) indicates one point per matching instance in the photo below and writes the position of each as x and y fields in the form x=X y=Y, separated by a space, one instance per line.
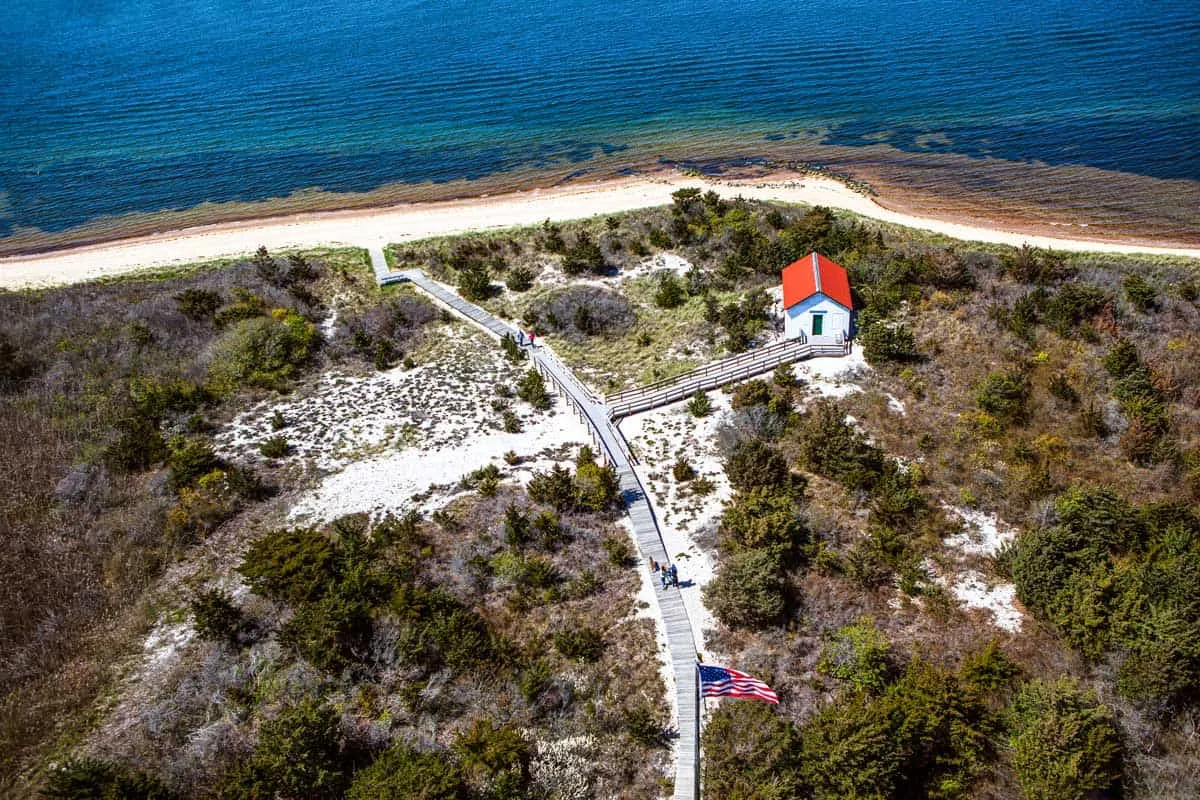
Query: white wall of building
x=799 y=319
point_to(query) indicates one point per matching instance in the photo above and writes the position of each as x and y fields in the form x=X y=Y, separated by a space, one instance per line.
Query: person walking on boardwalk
x=674 y=576
x=653 y=566
x=663 y=576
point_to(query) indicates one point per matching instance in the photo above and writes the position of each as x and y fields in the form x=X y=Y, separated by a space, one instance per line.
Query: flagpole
x=699 y=714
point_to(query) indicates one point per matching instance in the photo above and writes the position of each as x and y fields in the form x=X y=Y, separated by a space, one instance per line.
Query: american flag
x=725 y=682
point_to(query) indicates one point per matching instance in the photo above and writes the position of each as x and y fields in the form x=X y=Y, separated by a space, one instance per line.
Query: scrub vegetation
x=488 y=650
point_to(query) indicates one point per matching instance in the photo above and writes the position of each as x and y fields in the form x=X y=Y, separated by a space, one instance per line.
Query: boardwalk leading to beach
x=614 y=449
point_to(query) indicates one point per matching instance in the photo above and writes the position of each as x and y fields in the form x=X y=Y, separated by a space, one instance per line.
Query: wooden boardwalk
x=615 y=450
x=718 y=373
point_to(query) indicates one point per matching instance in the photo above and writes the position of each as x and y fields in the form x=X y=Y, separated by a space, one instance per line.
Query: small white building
x=816 y=301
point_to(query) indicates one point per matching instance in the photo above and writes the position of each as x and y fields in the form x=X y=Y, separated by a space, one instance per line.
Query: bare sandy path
x=365 y=228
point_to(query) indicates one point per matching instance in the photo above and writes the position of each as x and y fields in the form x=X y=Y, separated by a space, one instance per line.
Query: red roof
x=815 y=274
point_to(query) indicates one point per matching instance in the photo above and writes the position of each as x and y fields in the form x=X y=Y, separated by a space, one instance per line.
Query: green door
x=818 y=323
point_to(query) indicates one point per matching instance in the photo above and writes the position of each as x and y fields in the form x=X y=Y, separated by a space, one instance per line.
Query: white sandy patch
x=833 y=376
x=896 y=404
x=973 y=590
x=659 y=438
x=412 y=221
x=399 y=481
x=163 y=642
x=982 y=534
x=381 y=439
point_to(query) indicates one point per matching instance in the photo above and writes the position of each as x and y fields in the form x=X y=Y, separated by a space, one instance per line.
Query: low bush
x=215 y=616
x=885 y=343
x=748 y=590
x=82 y=778
x=670 y=292
x=532 y=389
x=580 y=644
x=266 y=352
x=860 y=655
x=682 y=470
x=1004 y=395
x=700 y=405
x=402 y=773
x=620 y=552
x=520 y=279
x=754 y=464
x=1065 y=744
x=275 y=447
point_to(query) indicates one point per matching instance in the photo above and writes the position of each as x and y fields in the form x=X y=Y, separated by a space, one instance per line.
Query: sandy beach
x=412 y=221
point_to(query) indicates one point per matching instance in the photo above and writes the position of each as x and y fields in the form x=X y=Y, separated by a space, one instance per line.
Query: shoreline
x=398 y=222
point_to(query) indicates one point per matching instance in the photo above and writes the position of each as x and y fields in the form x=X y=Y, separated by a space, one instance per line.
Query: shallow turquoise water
x=109 y=107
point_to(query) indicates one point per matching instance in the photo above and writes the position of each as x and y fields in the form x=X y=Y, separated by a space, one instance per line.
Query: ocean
x=113 y=111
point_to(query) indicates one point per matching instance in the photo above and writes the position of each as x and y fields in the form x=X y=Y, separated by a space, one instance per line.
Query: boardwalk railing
x=718 y=373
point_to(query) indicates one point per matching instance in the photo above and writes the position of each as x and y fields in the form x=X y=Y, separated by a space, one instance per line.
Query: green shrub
x=660 y=239
x=438 y=630
x=682 y=470
x=264 y=351
x=520 y=279
x=474 y=282
x=402 y=773
x=700 y=405
x=751 y=393
x=597 y=488
x=620 y=552
x=298 y=754
x=278 y=422
x=884 y=343
x=512 y=350
x=532 y=389
x=494 y=750
x=1004 y=395
x=644 y=727
x=246 y=305
x=139 y=445
x=554 y=488
x=580 y=644
x=84 y=778
x=748 y=590
x=1065 y=744
x=275 y=447
x=831 y=447
x=198 y=304
x=784 y=376
x=1140 y=293
x=510 y=421
x=329 y=632
x=762 y=518
x=925 y=736
x=551 y=238
x=754 y=464
x=291 y=565
x=216 y=616
x=751 y=753
x=584 y=256
x=860 y=655
x=670 y=292
x=1122 y=359
x=190 y=458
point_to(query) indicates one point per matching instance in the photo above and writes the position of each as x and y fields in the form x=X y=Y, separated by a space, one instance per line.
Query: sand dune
x=420 y=220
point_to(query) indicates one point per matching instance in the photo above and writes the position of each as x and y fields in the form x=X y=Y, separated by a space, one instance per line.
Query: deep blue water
x=112 y=106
